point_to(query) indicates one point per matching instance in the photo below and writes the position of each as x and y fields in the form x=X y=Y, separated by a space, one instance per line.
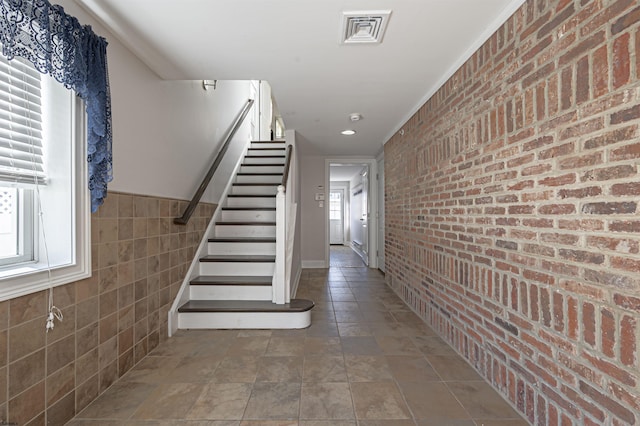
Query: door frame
x=372 y=204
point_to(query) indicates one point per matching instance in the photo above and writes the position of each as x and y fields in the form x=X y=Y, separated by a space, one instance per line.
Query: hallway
x=366 y=360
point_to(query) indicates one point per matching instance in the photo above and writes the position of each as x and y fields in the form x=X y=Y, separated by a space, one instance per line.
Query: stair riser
x=259 y=152
x=268 y=145
x=254 y=190
x=245 y=231
x=263 y=160
x=242 y=248
x=227 y=292
x=251 y=202
x=248 y=215
x=237 y=268
x=259 y=179
x=261 y=169
x=244 y=320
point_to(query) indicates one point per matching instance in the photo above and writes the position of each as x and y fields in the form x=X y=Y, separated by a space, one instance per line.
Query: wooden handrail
x=184 y=219
x=287 y=164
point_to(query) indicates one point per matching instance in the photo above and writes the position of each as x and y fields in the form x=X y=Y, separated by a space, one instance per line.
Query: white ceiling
x=294 y=45
x=344 y=172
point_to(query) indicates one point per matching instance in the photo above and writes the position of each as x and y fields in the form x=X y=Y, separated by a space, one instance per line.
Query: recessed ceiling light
x=348 y=132
x=355 y=117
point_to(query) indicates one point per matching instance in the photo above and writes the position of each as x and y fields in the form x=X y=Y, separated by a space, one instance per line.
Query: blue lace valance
x=75 y=56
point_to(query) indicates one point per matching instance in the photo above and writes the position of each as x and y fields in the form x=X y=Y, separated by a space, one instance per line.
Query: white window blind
x=21 y=156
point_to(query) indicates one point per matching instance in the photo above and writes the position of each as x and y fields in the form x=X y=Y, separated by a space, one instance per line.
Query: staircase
x=233 y=286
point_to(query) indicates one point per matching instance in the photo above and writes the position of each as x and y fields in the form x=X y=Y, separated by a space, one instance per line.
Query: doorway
x=352 y=192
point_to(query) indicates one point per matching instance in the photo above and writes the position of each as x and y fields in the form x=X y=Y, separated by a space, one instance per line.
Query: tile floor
x=344 y=256
x=366 y=360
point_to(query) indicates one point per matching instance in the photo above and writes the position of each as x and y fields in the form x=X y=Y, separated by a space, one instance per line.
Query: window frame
x=30 y=277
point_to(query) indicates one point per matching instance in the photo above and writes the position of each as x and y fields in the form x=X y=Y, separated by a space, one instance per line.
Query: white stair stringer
x=231 y=285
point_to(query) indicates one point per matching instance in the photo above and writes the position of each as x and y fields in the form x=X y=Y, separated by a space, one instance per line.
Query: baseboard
x=313 y=264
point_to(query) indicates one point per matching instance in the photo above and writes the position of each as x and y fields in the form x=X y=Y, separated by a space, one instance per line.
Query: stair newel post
x=279 y=275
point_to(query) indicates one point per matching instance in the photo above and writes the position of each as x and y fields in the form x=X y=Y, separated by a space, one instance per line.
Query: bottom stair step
x=245 y=314
x=296 y=305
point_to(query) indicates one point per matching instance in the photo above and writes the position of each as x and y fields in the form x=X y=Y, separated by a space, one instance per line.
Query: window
x=44 y=209
x=335 y=206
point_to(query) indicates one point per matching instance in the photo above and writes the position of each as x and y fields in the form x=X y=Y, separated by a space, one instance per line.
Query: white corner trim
x=508 y=11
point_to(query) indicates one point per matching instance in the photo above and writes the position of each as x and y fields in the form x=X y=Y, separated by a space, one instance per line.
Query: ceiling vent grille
x=364 y=27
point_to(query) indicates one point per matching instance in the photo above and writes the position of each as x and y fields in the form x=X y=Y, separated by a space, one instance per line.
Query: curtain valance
x=56 y=44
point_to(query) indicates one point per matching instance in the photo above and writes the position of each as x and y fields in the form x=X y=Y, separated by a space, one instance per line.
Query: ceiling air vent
x=364 y=27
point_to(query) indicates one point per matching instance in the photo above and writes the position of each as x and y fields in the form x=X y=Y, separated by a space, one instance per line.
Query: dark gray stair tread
x=267 y=149
x=296 y=305
x=247 y=223
x=259 y=174
x=278 y=141
x=250 y=209
x=231 y=280
x=241 y=240
x=256 y=184
x=240 y=258
x=265 y=156
x=251 y=195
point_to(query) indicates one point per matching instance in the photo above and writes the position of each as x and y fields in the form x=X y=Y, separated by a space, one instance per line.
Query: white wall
x=165 y=133
x=314 y=222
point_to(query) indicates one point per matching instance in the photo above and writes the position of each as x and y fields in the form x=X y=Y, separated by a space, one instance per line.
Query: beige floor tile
x=285 y=346
x=370 y=362
x=248 y=346
x=353 y=329
x=322 y=329
x=367 y=368
x=120 y=401
x=194 y=369
x=273 y=401
x=432 y=401
x=377 y=316
x=169 y=401
x=255 y=333
x=441 y=422
x=378 y=400
x=393 y=345
x=365 y=345
x=237 y=370
x=452 y=368
x=433 y=346
x=324 y=369
x=152 y=369
x=501 y=422
x=220 y=401
x=481 y=400
x=324 y=401
x=176 y=347
x=349 y=317
x=279 y=369
x=411 y=369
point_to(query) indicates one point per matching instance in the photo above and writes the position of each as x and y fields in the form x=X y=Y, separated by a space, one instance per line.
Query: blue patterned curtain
x=75 y=56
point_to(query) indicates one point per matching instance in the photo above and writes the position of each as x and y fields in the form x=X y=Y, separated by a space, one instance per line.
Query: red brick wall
x=513 y=225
